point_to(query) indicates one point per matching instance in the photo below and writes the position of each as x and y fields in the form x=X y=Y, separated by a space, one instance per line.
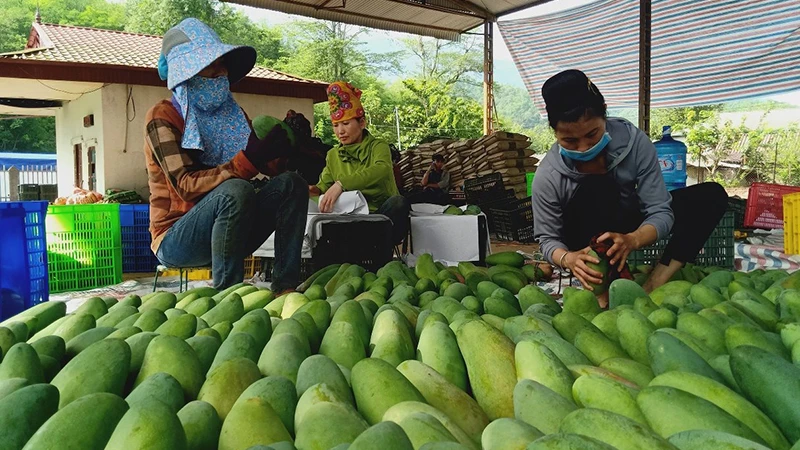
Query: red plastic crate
x=765 y=205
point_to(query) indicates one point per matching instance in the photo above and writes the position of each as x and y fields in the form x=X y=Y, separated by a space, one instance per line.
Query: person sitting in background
x=435 y=184
x=361 y=162
x=201 y=150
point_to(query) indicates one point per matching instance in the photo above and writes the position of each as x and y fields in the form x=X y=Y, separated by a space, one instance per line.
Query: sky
x=505 y=70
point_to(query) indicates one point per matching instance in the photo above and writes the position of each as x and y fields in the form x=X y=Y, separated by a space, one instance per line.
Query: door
x=78 y=165
x=91 y=158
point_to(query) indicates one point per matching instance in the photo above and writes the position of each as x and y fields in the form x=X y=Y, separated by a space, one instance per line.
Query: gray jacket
x=633 y=164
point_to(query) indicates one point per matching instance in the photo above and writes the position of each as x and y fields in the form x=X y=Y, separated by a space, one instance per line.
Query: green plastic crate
x=739 y=207
x=84 y=246
x=717 y=251
x=529 y=176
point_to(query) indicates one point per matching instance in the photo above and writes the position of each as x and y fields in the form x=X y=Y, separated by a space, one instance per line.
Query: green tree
x=38 y=134
x=434 y=101
x=767 y=154
x=428 y=111
x=34 y=135
x=157 y=16
x=446 y=62
x=18 y=15
x=681 y=119
x=233 y=26
x=515 y=105
x=330 y=51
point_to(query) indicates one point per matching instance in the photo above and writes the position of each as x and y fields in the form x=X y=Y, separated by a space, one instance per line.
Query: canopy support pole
x=488 y=77
x=645 y=22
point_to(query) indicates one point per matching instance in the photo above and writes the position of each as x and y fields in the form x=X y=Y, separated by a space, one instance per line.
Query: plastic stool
x=183 y=274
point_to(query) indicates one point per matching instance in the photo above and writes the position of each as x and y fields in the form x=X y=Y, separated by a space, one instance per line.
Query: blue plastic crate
x=23 y=275
x=136 y=254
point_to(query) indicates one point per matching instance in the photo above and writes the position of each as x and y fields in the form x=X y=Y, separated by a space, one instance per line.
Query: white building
x=99 y=85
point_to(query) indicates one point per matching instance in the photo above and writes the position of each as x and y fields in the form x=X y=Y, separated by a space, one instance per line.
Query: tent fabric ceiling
x=703 y=51
x=445 y=19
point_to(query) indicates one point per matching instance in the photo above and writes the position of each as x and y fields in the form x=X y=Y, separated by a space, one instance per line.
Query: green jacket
x=365 y=167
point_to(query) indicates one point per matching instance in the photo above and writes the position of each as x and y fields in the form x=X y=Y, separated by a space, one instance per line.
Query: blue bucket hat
x=191 y=46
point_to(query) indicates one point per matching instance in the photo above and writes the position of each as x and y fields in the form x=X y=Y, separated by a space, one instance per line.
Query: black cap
x=569 y=95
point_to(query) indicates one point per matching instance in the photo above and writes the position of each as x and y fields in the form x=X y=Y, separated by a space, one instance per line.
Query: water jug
x=672 y=160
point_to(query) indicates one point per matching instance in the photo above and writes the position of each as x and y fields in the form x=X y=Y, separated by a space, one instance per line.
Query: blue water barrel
x=672 y=160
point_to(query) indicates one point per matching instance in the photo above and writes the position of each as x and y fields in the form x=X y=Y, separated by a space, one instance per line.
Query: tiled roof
x=60 y=43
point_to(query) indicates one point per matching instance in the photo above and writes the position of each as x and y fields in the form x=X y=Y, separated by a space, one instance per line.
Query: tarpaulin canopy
x=18 y=160
x=445 y=19
x=703 y=51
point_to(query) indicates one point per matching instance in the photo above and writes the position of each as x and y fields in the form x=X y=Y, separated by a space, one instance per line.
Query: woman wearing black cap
x=601 y=179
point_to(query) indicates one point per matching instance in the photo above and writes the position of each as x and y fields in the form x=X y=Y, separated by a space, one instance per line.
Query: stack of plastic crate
x=23 y=256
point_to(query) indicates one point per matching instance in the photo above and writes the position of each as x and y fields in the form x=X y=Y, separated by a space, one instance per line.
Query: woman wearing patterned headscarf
x=201 y=151
x=361 y=162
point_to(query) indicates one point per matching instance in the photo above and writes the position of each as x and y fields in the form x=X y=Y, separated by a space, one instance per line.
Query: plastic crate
x=306 y=268
x=84 y=246
x=252 y=265
x=48 y=192
x=191 y=273
x=457 y=197
x=137 y=257
x=738 y=206
x=791 y=220
x=514 y=221
x=366 y=243
x=502 y=201
x=24 y=260
x=484 y=189
x=765 y=205
x=529 y=176
x=13 y=264
x=28 y=192
x=717 y=251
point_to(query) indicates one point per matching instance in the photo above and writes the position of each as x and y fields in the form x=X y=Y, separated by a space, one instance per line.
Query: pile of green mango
x=426 y=357
x=471 y=210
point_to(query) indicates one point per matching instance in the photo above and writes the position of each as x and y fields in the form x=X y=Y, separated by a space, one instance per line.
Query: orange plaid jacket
x=176 y=177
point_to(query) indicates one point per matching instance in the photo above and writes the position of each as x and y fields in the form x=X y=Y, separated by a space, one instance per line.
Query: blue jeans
x=232 y=221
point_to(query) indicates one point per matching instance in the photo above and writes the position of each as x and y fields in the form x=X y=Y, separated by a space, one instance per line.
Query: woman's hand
x=576 y=263
x=624 y=244
x=313 y=191
x=330 y=197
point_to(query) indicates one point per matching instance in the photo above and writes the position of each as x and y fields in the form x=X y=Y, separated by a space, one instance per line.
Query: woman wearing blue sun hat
x=201 y=151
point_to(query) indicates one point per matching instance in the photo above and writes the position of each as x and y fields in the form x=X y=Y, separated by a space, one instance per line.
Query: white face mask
x=588 y=155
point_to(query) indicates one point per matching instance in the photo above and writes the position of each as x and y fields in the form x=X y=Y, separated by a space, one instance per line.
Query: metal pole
x=645 y=8
x=397 y=121
x=488 y=77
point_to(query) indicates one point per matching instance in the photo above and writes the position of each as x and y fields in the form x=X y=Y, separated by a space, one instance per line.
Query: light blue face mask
x=588 y=155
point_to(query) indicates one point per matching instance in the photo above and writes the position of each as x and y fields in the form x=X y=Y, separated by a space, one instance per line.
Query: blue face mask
x=208 y=94
x=588 y=155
